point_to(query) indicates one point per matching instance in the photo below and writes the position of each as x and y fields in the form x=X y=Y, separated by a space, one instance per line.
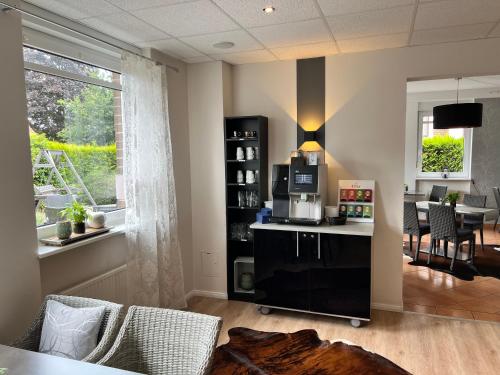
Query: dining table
x=461 y=209
x=14 y=361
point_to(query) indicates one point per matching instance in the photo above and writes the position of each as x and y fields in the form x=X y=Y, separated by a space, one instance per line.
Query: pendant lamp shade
x=459 y=115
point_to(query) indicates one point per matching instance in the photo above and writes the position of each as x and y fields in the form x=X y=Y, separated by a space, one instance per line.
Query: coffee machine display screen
x=303 y=179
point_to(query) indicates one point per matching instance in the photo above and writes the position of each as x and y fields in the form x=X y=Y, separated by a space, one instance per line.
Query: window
x=442 y=150
x=74 y=120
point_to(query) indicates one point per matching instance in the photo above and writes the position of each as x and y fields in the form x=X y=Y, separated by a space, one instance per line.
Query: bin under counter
x=317 y=269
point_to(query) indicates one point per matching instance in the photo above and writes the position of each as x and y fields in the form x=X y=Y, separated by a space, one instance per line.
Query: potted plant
x=77 y=214
x=63 y=229
x=452 y=198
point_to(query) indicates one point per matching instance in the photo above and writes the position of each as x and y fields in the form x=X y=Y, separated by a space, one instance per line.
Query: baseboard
x=387 y=307
x=205 y=293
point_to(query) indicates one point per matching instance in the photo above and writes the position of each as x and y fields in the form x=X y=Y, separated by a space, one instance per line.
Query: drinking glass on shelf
x=249 y=233
x=242 y=231
x=241 y=199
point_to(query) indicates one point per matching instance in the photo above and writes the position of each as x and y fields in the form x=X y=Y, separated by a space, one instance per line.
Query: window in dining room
x=442 y=151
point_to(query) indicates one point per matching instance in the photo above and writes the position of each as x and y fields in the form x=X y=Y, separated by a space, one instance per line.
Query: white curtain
x=154 y=262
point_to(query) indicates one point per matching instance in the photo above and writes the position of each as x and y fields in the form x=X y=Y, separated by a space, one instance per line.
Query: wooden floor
x=419 y=343
x=433 y=292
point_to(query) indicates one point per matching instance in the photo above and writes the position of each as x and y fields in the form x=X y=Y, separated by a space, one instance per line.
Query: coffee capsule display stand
x=356 y=200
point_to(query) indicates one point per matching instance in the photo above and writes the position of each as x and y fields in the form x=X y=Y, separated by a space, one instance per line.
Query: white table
x=24 y=362
x=461 y=209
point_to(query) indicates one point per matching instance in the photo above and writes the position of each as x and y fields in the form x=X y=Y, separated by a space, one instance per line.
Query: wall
x=365 y=133
x=207 y=106
x=485 y=150
x=19 y=273
x=65 y=270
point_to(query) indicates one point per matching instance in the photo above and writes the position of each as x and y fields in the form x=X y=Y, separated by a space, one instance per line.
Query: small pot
x=246 y=281
x=63 y=229
x=453 y=204
x=79 y=228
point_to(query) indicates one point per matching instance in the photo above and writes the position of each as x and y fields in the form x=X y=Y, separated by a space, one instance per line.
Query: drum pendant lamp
x=458 y=115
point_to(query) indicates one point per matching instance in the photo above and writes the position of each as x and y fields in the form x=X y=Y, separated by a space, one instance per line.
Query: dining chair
x=107 y=333
x=413 y=227
x=438 y=193
x=496 y=193
x=158 y=341
x=475 y=221
x=444 y=227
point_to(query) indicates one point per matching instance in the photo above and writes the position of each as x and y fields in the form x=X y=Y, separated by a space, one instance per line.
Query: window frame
x=115 y=217
x=464 y=175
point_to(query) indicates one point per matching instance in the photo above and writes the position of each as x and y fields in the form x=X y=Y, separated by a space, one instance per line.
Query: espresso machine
x=304 y=200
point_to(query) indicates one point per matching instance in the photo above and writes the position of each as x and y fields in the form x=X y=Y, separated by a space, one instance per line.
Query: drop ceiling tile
x=249 y=13
x=450 y=34
x=248 y=57
x=373 y=43
x=241 y=39
x=388 y=21
x=336 y=7
x=198 y=59
x=304 y=32
x=187 y=19
x=143 y=4
x=172 y=47
x=306 y=51
x=125 y=27
x=77 y=10
x=456 y=12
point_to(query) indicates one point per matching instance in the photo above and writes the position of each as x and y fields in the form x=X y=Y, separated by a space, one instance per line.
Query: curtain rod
x=121 y=48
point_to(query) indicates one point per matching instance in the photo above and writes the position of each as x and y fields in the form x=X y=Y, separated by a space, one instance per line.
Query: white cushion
x=70 y=332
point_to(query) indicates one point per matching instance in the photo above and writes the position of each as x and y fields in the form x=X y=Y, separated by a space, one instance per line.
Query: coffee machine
x=304 y=200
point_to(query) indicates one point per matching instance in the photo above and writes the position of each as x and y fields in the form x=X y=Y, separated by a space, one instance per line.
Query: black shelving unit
x=241 y=249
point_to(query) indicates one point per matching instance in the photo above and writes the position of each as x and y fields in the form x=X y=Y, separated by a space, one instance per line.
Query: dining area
x=448 y=222
x=451 y=254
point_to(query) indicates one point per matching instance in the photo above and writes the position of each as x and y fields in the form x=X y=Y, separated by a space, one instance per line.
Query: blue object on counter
x=262 y=218
x=266 y=211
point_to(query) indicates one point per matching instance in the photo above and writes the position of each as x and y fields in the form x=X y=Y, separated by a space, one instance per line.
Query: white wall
x=365 y=133
x=19 y=273
x=206 y=120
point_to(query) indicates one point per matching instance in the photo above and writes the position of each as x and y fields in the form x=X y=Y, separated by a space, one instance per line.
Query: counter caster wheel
x=356 y=323
x=265 y=310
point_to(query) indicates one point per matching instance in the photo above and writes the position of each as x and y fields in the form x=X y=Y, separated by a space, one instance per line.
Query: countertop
x=350 y=228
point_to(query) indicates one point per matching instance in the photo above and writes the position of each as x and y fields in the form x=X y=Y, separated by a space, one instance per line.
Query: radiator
x=111 y=286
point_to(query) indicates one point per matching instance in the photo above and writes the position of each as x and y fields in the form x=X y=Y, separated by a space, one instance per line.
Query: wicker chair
x=438 y=193
x=163 y=341
x=107 y=333
x=444 y=227
x=475 y=221
x=413 y=227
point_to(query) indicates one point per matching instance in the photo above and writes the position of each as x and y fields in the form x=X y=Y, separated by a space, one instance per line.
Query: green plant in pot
x=452 y=198
x=77 y=214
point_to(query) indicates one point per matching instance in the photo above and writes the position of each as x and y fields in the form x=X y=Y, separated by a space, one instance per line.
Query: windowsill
x=45 y=251
x=114 y=219
x=443 y=179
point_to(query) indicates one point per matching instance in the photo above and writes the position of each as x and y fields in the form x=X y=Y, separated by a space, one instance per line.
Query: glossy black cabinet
x=340 y=276
x=281 y=270
x=317 y=272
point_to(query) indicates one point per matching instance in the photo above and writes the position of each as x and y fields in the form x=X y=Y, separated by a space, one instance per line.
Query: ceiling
x=188 y=29
x=450 y=84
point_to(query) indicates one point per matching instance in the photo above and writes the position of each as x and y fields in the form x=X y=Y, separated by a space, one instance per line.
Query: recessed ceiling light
x=269 y=9
x=224 y=45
